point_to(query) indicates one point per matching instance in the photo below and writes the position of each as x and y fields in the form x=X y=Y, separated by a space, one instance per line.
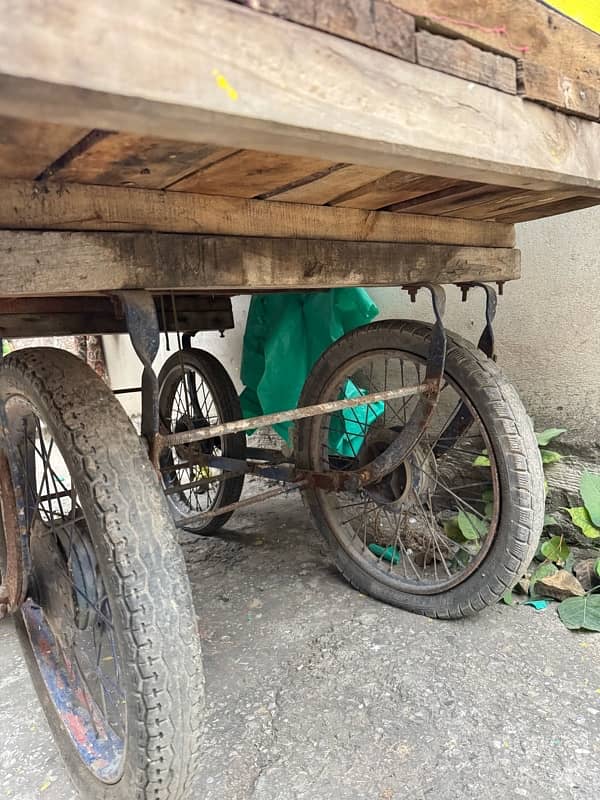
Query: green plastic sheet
x=285 y=334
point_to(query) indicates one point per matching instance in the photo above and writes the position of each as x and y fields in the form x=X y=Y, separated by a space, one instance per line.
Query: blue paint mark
x=99 y=747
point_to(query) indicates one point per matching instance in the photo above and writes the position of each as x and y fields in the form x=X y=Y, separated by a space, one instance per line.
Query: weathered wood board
x=308 y=94
x=28 y=205
x=79 y=263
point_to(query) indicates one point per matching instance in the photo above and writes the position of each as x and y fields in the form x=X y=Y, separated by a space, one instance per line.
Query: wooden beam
x=546 y=85
x=68 y=316
x=376 y=23
x=524 y=29
x=104 y=208
x=219 y=73
x=457 y=57
x=47 y=263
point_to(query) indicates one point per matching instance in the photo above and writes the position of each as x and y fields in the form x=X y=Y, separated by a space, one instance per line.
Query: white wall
x=548 y=324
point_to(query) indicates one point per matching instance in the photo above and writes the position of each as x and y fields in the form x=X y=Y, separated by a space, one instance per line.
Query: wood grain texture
x=75 y=207
x=259 y=81
x=545 y=85
x=26 y=148
x=549 y=38
x=505 y=202
x=66 y=316
x=326 y=188
x=249 y=173
x=121 y=159
x=460 y=195
x=548 y=209
x=375 y=23
x=457 y=57
x=51 y=262
x=392 y=188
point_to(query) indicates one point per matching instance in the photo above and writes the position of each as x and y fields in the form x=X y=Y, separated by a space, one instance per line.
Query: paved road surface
x=316 y=692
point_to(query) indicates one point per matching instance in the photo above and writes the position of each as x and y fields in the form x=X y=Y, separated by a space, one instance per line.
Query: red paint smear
x=499 y=31
x=77 y=728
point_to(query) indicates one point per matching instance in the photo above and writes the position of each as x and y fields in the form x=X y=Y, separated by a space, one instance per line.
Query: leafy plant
x=581 y=613
x=576 y=613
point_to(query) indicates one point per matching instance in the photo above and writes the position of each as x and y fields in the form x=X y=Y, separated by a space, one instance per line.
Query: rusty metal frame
x=141 y=323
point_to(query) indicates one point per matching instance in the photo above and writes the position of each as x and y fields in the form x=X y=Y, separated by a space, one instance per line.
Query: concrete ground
x=317 y=692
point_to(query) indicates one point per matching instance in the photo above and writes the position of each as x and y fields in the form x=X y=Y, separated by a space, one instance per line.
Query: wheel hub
x=394 y=489
x=64 y=576
x=193 y=450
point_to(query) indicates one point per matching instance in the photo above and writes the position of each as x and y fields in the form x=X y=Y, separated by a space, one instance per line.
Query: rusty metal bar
x=249 y=501
x=196 y=435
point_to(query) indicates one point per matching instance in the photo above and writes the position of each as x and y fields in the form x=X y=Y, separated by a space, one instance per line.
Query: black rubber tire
x=514 y=447
x=143 y=571
x=228 y=405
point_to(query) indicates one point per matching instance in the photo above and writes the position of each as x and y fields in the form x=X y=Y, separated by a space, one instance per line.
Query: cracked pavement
x=316 y=691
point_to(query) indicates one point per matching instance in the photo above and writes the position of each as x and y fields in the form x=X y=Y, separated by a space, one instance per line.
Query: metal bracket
x=462 y=418
x=142 y=325
x=486 y=340
x=412 y=432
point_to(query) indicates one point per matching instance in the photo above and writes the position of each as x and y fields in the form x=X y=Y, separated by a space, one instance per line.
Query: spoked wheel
x=108 y=627
x=196 y=391
x=458 y=522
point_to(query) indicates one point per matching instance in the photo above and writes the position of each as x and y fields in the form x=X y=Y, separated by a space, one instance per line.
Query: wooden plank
x=75 y=207
x=51 y=262
x=226 y=74
x=248 y=173
x=66 y=316
x=545 y=85
x=457 y=57
x=121 y=159
x=460 y=195
x=547 y=209
x=375 y=23
x=26 y=148
x=392 y=188
x=327 y=187
x=506 y=202
x=527 y=29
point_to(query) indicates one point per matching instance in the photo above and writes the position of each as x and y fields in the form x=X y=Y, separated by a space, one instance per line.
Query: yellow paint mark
x=224 y=84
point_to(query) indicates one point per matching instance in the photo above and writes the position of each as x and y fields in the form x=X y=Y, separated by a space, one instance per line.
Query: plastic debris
x=385 y=553
x=539 y=605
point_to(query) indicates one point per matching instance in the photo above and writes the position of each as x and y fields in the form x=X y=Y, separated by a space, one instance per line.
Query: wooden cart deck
x=388 y=142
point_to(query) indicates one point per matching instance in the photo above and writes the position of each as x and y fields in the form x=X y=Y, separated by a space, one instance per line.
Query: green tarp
x=285 y=334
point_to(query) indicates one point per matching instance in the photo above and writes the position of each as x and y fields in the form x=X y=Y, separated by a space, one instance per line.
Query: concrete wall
x=548 y=325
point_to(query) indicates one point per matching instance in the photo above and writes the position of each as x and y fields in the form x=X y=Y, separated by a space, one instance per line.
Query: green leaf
x=453 y=531
x=550 y=456
x=590 y=493
x=545 y=437
x=488 y=510
x=556 y=549
x=581 y=612
x=471 y=526
x=482 y=461
x=487 y=496
x=550 y=519
x=508 y=598
x=543 y=571
x=581 y=518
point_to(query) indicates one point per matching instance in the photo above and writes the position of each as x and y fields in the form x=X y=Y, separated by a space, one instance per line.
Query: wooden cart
x=158 y=158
